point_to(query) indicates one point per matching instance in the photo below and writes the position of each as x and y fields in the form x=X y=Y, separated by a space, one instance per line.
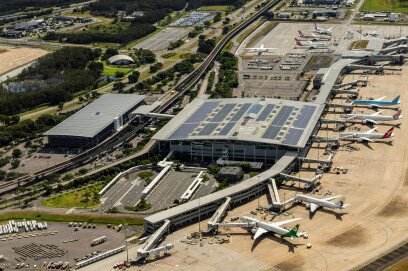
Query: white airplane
x=314 y=203
x=260 y=227
x=313 y=37
x=323 y=31
x=261 y=49
x=375 y=117
x=310 y=44
x=366 y=136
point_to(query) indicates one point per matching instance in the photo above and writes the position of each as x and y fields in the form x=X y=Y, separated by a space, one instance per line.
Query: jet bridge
x=152 y=241
x=219 y=214
x=309 y=182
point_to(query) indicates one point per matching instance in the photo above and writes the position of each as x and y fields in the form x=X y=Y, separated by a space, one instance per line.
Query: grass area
x=385 y=5
x=62 y=217
x=42 y=107
x=111 y=70
x=251 y=29
x=359 y=44
x=176 y=55
x=226 y=8
x=81 y=198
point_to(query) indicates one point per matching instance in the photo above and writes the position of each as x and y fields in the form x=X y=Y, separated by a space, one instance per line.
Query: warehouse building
x=95 y=122
x=240 y=129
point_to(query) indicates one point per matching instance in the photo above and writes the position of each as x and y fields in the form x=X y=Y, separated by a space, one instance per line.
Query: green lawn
x=111 y=70
x=385 y=5
x=217 y=8
x=81 y=198
x=76 y=217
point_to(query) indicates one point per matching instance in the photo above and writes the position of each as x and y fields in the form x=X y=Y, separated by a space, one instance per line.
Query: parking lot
x=194 y=19
x=172 y=187
x=162 y=39
x=125 y=192
x=57 y=243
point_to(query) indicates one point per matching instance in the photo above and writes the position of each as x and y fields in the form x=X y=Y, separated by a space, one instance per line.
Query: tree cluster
x=14 y=6
x=63 y=72
x=227 y=76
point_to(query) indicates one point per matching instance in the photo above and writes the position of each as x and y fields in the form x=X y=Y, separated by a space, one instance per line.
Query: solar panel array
x=274 y=122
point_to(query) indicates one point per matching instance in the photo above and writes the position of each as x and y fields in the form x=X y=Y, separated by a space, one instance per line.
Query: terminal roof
x=270 y=121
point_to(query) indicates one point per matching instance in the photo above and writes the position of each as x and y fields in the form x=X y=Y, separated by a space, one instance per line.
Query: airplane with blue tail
x=378 y=102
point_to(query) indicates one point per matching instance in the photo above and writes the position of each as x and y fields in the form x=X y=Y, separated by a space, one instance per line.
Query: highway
x=128 y=132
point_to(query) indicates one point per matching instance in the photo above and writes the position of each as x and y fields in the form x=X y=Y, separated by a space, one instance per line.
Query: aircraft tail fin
x=341 y=202
x=397 y=115
x=396 y=100
x=389 y=133
x=301 y=34
x=315 y=26
x=293 y=232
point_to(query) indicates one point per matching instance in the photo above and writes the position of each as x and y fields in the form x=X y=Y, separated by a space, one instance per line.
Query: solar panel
x=304 y=116
x=183 y=131
x=208 y=129
x=265 y=112
x=202 y=113
x=227 y=128
x=282 y=115
x=223 y=113
x=293 y=136
x=240 y=112
x=272 y=132
x=255 y=108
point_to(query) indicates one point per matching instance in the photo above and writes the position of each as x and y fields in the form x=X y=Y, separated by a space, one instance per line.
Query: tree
x=225 y=29
x=16 y=153
x=119 y=74
x=60 y=106
x=15 y=163
x=109 y=53
x=118 y=86
x=134 y=77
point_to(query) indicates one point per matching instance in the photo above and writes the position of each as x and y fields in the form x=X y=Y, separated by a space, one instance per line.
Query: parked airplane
x=378 y=102
x=313 y=37
x=324 y=31
x=311 y=45
x=261 y=227
x=375 y=117
x=367 y=136
x=314 y=203
x=259 y=49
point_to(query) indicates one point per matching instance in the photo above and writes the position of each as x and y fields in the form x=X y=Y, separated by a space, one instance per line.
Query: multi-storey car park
x=95 y=122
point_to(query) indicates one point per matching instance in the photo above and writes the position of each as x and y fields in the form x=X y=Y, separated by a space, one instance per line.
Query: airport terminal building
x=240 y=129
x=94 y=122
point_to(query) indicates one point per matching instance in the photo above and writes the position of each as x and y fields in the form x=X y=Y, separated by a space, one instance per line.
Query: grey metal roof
x=115 y=58
x=96 y=116
x=269 y=121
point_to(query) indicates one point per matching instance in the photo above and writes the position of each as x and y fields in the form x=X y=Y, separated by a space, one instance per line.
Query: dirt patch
x=3 y=50
x=397 y=206
x=292 y=264
x=352 y=237
x=15 y=57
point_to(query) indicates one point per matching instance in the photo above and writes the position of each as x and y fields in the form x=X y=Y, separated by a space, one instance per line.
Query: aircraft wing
x=376 y=113
x=252 y=48
x=280 y=223
x=372 y=121
x=350 y=118
x=371 y=131
x=332 y=198
x=366 y=138
x=259 y=232
x=380 y=99
x=313 y=207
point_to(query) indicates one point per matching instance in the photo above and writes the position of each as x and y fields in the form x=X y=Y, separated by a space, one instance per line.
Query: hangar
x=120 y=60
x=240 y=129
x=94 y=122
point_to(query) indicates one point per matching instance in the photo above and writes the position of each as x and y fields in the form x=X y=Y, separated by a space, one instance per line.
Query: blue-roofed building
x=240 y=129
